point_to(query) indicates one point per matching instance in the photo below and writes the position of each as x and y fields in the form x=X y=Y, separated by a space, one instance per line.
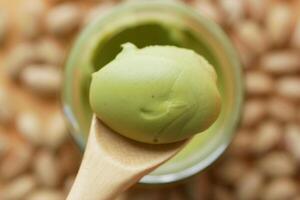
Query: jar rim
x=224 y=43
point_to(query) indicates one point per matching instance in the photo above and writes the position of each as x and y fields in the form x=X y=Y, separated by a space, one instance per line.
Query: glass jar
x=162 y=23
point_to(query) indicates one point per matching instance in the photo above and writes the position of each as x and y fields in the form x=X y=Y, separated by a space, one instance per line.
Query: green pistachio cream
x=157 y=94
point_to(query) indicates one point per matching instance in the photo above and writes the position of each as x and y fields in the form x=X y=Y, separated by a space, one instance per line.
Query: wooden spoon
x=112 y=163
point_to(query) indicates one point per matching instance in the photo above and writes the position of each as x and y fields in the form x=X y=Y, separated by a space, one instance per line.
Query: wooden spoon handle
x=112 y=163
x=99 y=177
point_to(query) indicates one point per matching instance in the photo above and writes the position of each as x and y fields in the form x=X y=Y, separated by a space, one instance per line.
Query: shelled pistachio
x=281 y=62
x=50 y=52
x=97 y=11
x=250 y=185
x=267 y=136
x=3 y=26
x=29 y=124
x=46 y=169
x=289 y=87
x=18 y=57
x=253 y=36
x=254 y=111
x=295 y=41
x=233 y=10
x=282 y=109
x=46 y=194
x=43 y=80
x=7 y=109
x=209 y=10
x=279 y=23
x=55 y=130
x=281 y=188
x=31 y=19
x=16 y=162
x=63 y=19
x=18 y=188
x=259 y=83
x=292 y=139
x=277 y=164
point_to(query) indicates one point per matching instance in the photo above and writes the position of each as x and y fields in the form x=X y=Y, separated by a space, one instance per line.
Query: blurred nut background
x=38 y=158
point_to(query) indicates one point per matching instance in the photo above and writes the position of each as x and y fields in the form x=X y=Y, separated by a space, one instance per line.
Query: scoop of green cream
x=158 y=94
